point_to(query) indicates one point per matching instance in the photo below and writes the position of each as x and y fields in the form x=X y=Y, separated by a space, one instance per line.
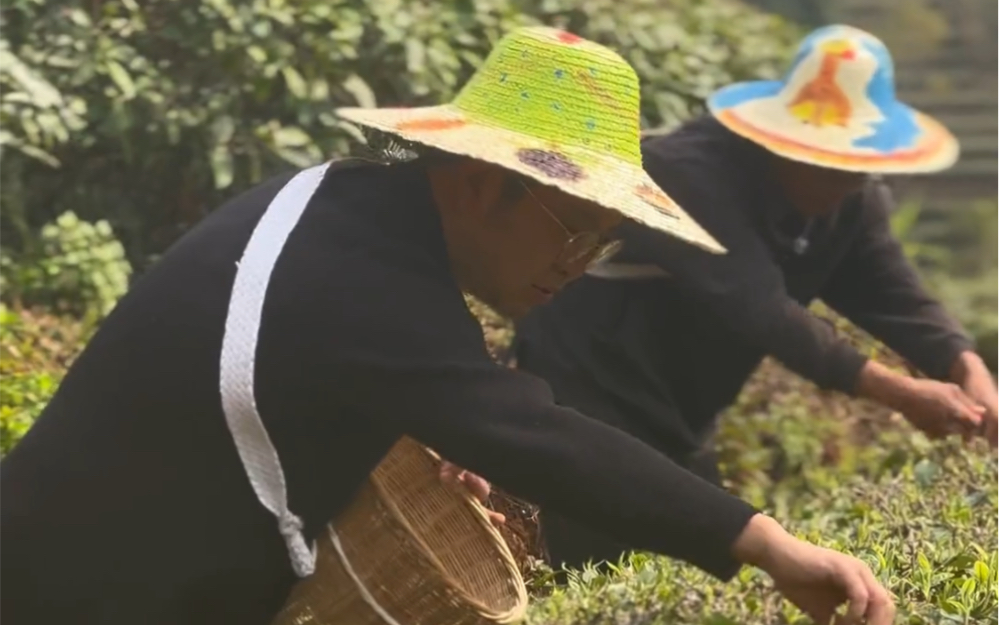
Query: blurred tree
x=809 y=13
x=149 y=114
x=912 y=29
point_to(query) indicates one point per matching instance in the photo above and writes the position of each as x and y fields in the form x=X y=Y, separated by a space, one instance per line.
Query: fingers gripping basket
x=409 y=551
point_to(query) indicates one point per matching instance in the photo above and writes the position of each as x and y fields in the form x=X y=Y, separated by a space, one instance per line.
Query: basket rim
x=511 y=615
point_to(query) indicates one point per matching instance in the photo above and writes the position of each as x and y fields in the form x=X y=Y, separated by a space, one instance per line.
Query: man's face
x=526 y=240
x=817 y=190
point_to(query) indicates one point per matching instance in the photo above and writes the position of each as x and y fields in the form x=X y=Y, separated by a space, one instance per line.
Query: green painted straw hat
x=558 y=108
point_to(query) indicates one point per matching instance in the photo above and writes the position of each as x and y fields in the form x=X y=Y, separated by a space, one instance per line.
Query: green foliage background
x=150 y=114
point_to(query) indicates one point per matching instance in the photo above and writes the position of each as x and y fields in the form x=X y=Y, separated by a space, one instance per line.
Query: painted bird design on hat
x=836 y=107
x=821 y=101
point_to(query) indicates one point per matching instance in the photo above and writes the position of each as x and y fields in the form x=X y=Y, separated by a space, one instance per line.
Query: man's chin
x=514 y=309
x=536 y=297
x=511 y=311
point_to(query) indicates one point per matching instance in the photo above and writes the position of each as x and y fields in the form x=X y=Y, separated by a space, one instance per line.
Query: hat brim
x=930 y=148
x=610 y=182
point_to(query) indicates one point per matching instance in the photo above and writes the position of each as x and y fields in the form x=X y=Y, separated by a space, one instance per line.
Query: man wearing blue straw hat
x=661 y=339
x=241 y=393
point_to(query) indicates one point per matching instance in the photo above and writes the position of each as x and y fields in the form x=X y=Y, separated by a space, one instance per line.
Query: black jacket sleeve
x=744 y=289
x=426 y=373
x=878 y=289
x=504 y=425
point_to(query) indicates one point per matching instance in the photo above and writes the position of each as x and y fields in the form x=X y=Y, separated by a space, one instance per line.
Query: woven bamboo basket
x=409 y=551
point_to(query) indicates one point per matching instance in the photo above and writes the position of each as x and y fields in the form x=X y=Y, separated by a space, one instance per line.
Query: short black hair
x=514 y=186
x=434 y=156
x=390 y=149
x=387 y=148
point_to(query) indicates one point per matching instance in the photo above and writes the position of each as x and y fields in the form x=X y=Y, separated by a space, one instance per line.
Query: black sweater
x=127 y=503
x=671 y=352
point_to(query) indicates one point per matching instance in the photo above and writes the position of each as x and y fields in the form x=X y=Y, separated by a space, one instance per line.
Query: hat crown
x=557 y=87
x=842 y=69
x=836 y=107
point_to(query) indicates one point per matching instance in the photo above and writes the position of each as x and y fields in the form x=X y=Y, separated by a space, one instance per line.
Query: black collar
x=392 y=204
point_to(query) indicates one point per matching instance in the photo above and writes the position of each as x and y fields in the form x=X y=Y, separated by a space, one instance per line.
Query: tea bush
x=922 y=516
x=842 y=473
x=74 y=267
x=35 y=350
x=958 y=251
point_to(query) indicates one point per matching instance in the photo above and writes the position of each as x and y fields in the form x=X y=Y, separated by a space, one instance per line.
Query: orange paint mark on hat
x=433 y=123
x=656 y=198
x=569 y=38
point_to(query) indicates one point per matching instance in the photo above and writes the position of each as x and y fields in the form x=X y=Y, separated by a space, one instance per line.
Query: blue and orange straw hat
x=836 y=107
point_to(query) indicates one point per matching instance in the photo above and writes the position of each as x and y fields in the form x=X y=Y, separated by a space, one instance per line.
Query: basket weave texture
x=423 y=552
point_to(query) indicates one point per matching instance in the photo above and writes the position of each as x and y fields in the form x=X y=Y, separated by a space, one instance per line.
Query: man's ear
x=483 y=184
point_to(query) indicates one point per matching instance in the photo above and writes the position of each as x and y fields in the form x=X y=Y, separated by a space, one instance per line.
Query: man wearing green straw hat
x=661 y=339
x=238 y=396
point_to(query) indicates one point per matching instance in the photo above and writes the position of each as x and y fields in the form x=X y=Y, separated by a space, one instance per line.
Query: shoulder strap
x=239 y=346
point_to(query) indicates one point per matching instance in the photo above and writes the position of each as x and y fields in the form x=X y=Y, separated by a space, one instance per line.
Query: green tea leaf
x=982 y=572
x=222 y=167
x=362 y=93
x=121 y=79
x=295 y=83
x=924 y=563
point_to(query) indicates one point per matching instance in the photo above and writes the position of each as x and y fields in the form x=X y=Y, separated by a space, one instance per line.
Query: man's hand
x=478 y=487
x=939 y=409
x=970 y=372
x=816 y=580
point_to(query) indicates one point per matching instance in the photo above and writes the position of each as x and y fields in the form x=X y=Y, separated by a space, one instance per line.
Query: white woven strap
x=623 y=271
x=239 y=346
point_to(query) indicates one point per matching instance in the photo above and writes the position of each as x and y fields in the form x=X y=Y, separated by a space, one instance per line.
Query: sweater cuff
x=945 y=357
x=845 y=364
x=717 y=559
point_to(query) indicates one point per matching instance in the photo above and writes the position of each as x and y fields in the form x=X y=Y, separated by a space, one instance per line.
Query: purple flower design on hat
x=552 y=164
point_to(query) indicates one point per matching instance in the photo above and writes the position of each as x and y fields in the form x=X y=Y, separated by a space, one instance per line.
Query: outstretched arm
x=504 y=425
x=424 y=371
x=743 y=290
x=878 y=289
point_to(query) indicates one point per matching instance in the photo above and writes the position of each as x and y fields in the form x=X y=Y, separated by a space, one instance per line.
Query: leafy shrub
x=922 y=516
x=35 y=349
x=183 y=102
x=74 y=267
x=895 y=22
x=956 y=250
x=973 y=302
x=35 y=116
x=842 y=473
